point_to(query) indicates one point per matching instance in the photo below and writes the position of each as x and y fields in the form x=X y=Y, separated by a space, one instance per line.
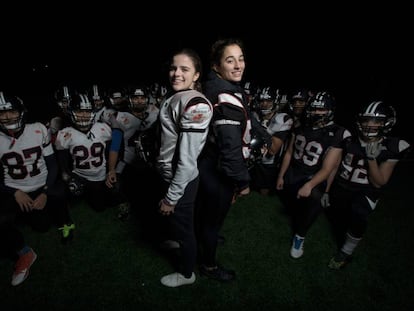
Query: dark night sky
x=358 y=56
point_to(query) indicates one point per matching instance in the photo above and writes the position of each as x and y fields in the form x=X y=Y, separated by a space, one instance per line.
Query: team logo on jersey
x=67 y=135
x=125 y=120
x=199 y=112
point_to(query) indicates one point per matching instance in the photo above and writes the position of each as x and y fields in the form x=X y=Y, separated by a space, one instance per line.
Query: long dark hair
x=218 y=47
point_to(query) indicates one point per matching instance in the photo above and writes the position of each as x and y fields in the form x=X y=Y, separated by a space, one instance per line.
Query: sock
x=301 y=238
x=350 y=244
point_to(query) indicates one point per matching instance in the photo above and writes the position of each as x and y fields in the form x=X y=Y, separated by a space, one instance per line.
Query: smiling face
x=232 y=65
x=182 y=73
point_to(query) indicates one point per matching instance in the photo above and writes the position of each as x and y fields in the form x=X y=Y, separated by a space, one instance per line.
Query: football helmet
x=98 y=97
x=82 y=112
x=138 y=99
x=298 y=101
x=76 y=186
x=119 y=99
x=63 y=96
x=154 y=88
x=320 y=110
x=257 y=147
x=375 y=120
x=12 y=114
x=267 y=100
x=161 y=94
x=250 y=89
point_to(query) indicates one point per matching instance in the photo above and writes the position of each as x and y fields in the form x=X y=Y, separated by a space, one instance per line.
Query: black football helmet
x=12 y=124
x=267 y=100
x=82 y=112
x=138 y=99
x=118 y=99
x=320 y=110
x=298 y=101
x=63 y=96
x=98 y=96
x=375 y=120
x=160 y=95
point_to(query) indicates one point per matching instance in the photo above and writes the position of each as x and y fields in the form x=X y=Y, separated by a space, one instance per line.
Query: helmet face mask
x=63 y=97
x=12 y=114
x=320 y=111
x=138 y=105
x=370 y=128
x=82 y=112
x=266 y=107
x=98 y=97
x=298 y=101
x=375 y=121
x=11 y=120
x=83 y=119
x=99 y=104
x=138 y=100
x=297 y=106
x=267 y=99
x=118 y=100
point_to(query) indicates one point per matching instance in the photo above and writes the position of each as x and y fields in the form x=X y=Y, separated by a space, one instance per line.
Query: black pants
x=213 y=204
x=181 y=227
x=303 y=211
x=55 y=212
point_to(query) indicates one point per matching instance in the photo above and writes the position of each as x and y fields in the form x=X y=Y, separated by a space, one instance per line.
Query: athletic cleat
x=296 y=251
x=339 y=261
x=123 y=211
x=21 y=269
x=67 y=232
x=218 y=273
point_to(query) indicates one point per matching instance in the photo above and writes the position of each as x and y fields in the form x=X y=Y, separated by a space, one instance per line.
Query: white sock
x=350 y=244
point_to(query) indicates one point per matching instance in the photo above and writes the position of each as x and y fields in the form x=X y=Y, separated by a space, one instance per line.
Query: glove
x=325 y=200
x=267 y=158
x=76 y=187
x=373 y=150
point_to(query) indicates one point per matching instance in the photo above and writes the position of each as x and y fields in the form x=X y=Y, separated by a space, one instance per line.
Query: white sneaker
x=296 y=251
x=177 y=279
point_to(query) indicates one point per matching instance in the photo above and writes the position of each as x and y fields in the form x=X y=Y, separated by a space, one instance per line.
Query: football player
x=313 y=153
x=82 y=150
x=264 y=169
x=138 y=155
x=29 y=185
x=367 y=165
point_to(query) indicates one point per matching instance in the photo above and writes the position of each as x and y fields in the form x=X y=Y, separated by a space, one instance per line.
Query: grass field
x=111 y=266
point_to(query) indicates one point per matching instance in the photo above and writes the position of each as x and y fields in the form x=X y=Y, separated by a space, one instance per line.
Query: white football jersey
x=22 y=158
x=88 y=150
x=131 y=127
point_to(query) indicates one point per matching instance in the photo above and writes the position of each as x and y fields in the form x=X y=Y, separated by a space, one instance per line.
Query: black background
x=358 y=54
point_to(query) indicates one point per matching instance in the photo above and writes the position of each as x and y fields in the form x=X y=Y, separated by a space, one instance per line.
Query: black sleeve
x=52 y=168
x=259 y=131
x=64 y=160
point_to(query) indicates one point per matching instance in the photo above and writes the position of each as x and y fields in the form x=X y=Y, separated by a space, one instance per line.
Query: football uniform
x=352 y=193
x=22 y=157
x=264 y=168
x=310 y=147
x=133 y=128
x=88 y=150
